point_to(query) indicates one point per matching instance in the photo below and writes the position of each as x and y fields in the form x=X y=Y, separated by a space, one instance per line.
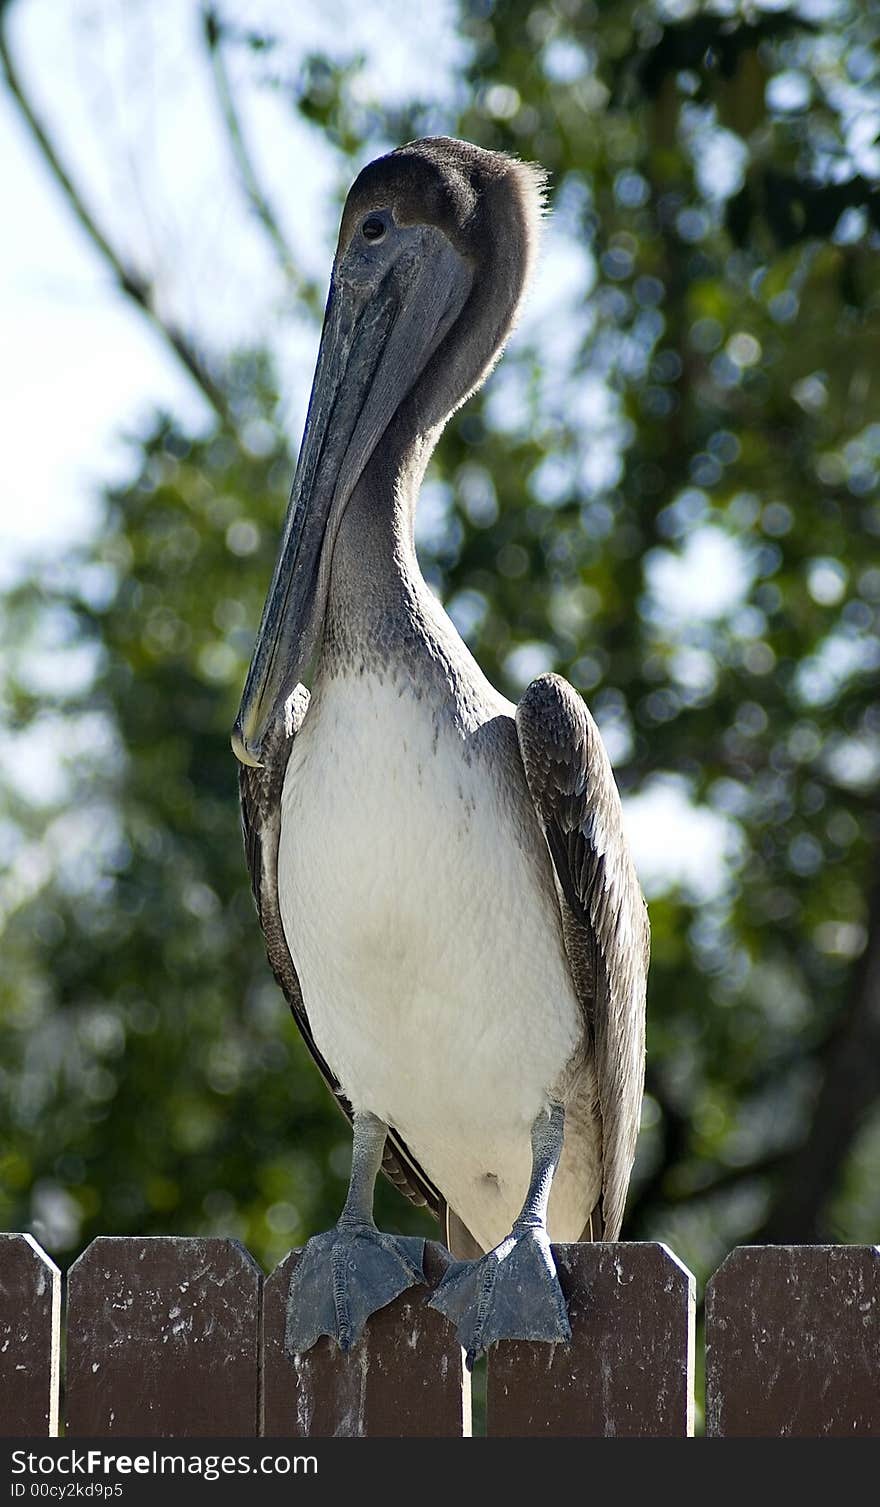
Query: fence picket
x=629 y=1368
x=404 y=1378
x=166 y=1337
x=30 y=1327
x=162 y=1338
x=793 y=1342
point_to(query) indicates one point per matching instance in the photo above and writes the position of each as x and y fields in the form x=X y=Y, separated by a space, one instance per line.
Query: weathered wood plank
x=629 y=1368
x=163 y=1338
x=405 y=1378
x=30 y=1334
x=793 y=1342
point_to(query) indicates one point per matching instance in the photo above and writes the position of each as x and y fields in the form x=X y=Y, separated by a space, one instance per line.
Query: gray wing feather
x=260 y=793
x=605 y=923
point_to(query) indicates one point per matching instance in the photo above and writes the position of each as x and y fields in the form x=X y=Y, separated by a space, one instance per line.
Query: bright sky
x=124 y=85
x=131 y=105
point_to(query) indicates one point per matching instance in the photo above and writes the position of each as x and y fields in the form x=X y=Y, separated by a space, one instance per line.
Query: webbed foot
x=513 y=1293
x=344 y=1276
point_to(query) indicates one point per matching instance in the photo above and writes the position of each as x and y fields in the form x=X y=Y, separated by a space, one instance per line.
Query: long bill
x=375 y=343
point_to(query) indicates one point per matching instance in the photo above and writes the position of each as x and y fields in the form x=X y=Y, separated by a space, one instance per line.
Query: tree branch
x=675 y=1130
x=850 y=1086
x=728 y=1177
x=128 y=279
x=253 y=191
x=654 y=1192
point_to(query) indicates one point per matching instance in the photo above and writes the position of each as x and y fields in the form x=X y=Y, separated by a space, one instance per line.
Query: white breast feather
x=421 y=917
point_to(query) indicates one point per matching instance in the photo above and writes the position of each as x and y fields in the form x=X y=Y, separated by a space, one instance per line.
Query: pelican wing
x=260 y=792
x=605 y=923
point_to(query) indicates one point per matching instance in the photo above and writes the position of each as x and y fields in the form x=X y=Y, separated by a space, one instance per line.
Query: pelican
x=446 y=894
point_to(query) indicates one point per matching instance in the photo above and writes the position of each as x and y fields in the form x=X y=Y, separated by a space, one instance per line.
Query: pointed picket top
x=163 y=1338
x=793 y=1342
x=629 y=1369
x=404 y=1378
x=30 y=1330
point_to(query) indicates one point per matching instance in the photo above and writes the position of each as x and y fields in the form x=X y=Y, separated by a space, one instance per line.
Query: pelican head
x=435 y=248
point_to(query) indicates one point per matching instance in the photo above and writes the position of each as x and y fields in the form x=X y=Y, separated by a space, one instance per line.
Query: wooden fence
x=179 y=1337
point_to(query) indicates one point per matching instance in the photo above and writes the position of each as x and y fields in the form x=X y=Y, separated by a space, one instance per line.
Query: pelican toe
x=513 y=1293
x=342 y=1278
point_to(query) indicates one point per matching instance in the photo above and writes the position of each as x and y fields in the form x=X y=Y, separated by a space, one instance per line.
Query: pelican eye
x=373 y=229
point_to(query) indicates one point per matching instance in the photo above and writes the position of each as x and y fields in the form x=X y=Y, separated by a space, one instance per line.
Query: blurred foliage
x=669 y=494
